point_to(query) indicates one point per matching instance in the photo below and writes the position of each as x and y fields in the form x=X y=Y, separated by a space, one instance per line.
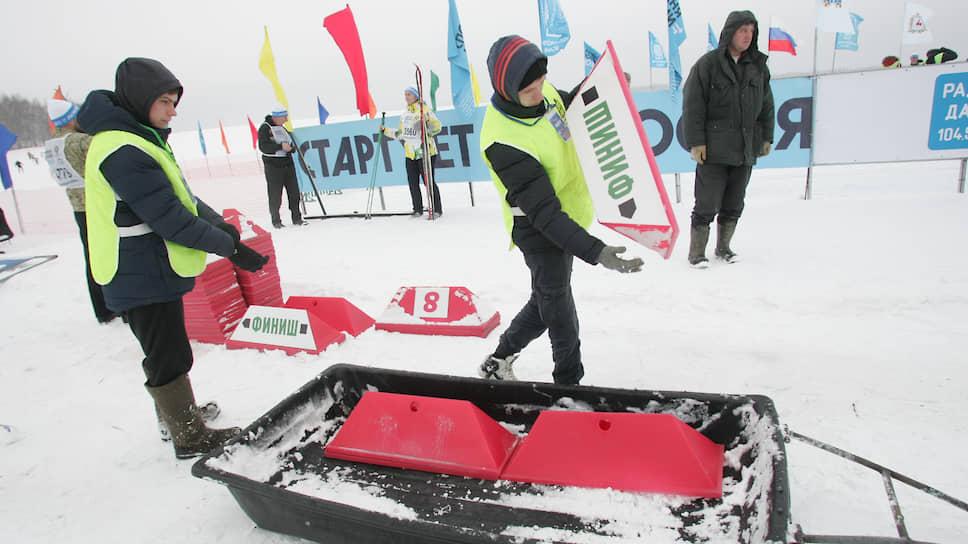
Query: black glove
x=247 y=258
x=231 y=230
x=609 y=259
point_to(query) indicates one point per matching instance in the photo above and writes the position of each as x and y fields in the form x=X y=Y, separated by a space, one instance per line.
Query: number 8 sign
x=431 y=302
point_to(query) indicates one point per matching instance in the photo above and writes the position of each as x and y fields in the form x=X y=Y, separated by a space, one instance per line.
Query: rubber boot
x=725 y=235
x=699 y=236
x=189 y=435
x=209 y=411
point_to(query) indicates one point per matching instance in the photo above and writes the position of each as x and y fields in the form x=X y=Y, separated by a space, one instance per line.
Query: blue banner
x=677 y=35
x=849 y=41
x=591 y=57
x=323 y=113
x=713 y=42
x=949 y=113
x=656 y=54
x=554 y=27
x=460 y=69
x=342 y=154
x=201 y=139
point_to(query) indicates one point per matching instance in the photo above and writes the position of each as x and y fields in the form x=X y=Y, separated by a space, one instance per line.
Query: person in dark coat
x=940 y=55
x=148 y=236
x=546 y=203
x=727 y=122
x=277 y=147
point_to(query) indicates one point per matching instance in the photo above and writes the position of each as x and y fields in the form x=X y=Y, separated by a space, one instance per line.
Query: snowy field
x=848 y=310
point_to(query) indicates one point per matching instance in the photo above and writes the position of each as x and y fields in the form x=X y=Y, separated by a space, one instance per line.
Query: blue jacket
x=144 y=274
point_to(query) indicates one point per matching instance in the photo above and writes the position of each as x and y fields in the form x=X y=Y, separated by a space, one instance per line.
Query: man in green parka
x=727 y=122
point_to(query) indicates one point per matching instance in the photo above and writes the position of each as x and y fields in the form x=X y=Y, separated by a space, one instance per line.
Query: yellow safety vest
x=103 y=234
x=543 y=142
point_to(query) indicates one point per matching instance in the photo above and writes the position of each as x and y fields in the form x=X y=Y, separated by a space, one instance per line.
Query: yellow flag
x=267 y=65
x=476 y=87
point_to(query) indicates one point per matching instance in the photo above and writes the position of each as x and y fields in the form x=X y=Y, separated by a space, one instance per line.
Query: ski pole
x=376 y=164
x=308 y=173
x=425 y=148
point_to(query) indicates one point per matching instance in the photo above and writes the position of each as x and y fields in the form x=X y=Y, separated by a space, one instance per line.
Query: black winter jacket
x=728 y=106
x=529 y=188
x=144 y=274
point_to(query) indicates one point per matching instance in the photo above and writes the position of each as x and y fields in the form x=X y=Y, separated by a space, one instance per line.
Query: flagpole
x=16 y=207
x=808 y=189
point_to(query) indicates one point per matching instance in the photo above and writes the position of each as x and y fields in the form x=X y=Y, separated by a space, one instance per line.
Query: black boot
x=698 y=237
x=725 y=235
x=189 y=435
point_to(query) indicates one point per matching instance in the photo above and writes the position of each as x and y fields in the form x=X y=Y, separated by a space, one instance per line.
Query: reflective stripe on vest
x=557 y=157
x=103 y=234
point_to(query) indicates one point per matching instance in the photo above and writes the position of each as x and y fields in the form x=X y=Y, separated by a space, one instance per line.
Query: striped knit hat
x=61 y=112
x=511 y=61
x=278 y=110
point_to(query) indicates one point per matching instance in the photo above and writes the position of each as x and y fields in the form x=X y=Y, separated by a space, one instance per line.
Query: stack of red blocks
x=224 y=292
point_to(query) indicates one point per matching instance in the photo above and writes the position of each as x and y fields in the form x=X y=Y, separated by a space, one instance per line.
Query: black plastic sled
x=277 y=472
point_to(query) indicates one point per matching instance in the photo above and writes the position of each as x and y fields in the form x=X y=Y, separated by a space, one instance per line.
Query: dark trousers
x=101 y=311
x=160 y=328
x=551 y=308
x=278 y=177
x=720 y=190
x=415 y=170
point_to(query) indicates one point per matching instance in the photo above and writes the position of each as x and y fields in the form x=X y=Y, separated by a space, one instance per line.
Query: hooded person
x=66 y=153
x=412 y=135
x=277 y=147
x=546 y=205
x=727 y=122
x=149 y=236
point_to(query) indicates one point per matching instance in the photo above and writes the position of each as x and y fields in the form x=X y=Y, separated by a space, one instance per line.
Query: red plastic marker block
x=338 y=313
x=446 y=311
x=423 y=433
x=631 y=452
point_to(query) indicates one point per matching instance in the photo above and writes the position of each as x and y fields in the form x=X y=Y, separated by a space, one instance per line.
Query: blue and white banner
x=949 y=113
x=342 y=154
x=591 y=57
x=656 y=54
x=554 y=27
x=677 y=35
x=850 y=41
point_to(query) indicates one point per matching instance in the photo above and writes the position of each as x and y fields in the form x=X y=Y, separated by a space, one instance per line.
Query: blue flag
x=7 y=139
x=460 y=69
x=713 y=42
x=677 y=35
x=656 y=54
x=849 y=41
x=591 y=57
x=201 y=139
x=323 y=114
x=554 y=27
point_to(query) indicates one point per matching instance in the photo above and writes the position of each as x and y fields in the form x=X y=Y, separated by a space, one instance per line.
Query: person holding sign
x=727 y=122
x=65 y=153
x=527 y=145
x=411 y=134
x=276 y=145
x=149 y=236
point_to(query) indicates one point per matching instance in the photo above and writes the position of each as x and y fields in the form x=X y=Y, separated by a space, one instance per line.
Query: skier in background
x=277 y=147
x=411 y=134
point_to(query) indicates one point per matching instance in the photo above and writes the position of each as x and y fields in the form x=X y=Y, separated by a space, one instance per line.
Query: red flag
x=343 y=29
x=225 y=142
x=255 y=133
x=60 y=96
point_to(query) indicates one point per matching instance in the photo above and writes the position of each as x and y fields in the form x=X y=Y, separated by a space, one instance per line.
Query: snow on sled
x=279 y=475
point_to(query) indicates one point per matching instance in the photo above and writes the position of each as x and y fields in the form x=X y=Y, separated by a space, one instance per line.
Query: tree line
x=27 y=118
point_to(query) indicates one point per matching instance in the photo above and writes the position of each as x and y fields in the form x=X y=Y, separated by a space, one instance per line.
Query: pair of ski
x=428 y=171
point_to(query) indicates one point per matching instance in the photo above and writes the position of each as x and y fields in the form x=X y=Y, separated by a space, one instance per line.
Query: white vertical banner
x=917 y=24
x=617 y=160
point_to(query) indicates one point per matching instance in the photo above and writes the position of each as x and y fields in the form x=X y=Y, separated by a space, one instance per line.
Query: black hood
x=735 y=20
x=102 y=111
x=138 y=82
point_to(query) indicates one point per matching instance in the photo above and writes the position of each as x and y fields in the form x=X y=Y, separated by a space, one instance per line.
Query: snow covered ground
x=848 y=310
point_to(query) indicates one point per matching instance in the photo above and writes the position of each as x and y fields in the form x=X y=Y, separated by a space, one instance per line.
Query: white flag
x=917 y=24
x=834 y=16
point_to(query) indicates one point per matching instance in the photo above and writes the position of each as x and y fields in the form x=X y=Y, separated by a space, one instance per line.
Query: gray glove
x=609 y=259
